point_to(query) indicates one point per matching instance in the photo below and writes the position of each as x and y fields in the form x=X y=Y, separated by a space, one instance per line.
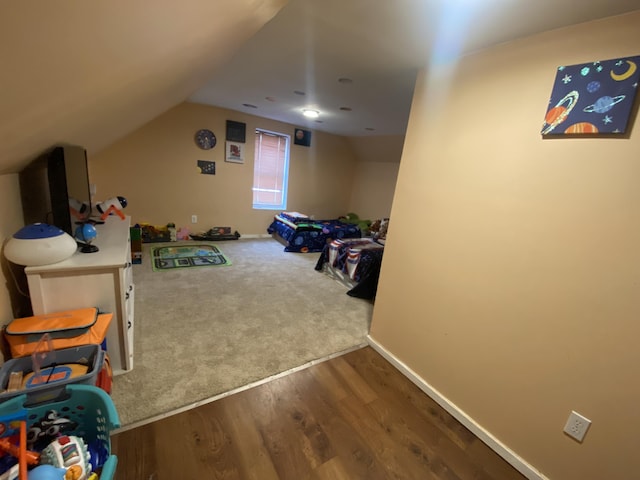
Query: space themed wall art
x=592 y=98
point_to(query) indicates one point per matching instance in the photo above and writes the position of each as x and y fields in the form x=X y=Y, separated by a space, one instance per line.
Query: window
x=271 y=171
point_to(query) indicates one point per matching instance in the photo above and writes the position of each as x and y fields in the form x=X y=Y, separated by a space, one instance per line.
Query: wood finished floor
x=352 y=417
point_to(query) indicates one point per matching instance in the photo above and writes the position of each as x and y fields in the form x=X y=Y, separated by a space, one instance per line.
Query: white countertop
x=110 y=238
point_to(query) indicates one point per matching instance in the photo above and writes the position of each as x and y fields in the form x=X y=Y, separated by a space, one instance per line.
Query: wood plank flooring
x=351 y=417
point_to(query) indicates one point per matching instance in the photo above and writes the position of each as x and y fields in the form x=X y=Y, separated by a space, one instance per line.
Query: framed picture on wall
x=206 y=167
x=592 y=98
x=236 y=131
x=234 y=152
x=302 y=137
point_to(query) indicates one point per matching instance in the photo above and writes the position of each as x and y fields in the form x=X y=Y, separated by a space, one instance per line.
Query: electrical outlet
x=194 y=218
x=577 y=426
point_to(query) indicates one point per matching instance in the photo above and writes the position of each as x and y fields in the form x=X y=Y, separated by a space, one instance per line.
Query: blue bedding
x=303 y=235
x=355 y=262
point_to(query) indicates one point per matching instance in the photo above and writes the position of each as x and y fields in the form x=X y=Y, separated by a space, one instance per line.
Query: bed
x=354 y=263
x=299 y=233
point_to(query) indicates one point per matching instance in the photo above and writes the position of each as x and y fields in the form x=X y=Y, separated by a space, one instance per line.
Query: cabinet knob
x=129 y=324
x=126 y=296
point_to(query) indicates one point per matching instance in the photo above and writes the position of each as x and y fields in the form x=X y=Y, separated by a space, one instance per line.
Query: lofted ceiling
x=91 y=72
x=312 y=46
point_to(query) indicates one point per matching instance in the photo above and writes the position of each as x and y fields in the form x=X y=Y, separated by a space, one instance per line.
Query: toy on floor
x=53 y=374
x=47 y=472
x=32 y=458
x=354 y=219
x=216 y=233
x=183 y=233
x=48 y=428
x=173 y=233
x=66 y=458
x=20 y=452
x=71 y=453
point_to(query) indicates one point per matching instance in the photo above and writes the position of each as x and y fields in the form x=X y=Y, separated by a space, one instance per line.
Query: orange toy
x=23 y=455
x=32 y=458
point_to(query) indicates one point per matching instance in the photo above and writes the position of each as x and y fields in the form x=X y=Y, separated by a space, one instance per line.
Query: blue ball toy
x=46 y=472
x=86 y=233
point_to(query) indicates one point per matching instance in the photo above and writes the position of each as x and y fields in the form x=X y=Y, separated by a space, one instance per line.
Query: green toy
x=354 y=219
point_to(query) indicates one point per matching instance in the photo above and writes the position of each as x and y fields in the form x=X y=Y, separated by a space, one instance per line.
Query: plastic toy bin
x=92 y=356
x=82 y=410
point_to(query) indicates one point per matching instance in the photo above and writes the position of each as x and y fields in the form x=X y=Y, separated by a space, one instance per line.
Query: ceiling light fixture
x=310 y=113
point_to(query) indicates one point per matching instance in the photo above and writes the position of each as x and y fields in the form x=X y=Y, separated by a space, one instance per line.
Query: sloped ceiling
x=90 y=72
x=298 y=58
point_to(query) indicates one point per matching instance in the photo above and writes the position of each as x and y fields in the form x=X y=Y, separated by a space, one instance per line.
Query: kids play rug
x=187 y=256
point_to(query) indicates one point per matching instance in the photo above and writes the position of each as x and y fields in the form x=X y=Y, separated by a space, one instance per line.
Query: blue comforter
x=304 y=236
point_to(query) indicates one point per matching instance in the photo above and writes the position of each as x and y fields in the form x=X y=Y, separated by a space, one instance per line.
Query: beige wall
x=377 y=171
x=373 y=188
x=379 y=148
x=155 y=169
x=520 y=283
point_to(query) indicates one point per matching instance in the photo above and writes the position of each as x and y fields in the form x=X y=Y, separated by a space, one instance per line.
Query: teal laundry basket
x=82 y=410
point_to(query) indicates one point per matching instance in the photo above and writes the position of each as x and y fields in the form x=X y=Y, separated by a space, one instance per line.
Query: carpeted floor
x=200 y=332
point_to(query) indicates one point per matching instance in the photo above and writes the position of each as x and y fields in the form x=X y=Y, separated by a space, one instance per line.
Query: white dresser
x=102 y=279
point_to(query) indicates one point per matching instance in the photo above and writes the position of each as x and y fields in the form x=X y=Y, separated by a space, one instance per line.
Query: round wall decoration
x=205 y=139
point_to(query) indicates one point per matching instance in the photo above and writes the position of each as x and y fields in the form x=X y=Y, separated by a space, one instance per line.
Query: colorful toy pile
x=66 y=438
x=55 y=408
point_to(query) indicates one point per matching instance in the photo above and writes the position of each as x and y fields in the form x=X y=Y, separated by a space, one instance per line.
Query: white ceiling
x=379 y=45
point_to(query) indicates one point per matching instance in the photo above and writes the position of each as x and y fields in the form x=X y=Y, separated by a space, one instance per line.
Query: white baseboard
x=492 y=442
x=256 y=235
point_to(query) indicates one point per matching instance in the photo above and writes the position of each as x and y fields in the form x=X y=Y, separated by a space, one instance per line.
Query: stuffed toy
x=354 y=219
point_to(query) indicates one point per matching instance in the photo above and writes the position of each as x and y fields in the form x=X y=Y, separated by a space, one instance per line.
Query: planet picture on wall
x=581 y=127
x=633 y=66
x=603 y=104
x=561 y=111
x=590 y=98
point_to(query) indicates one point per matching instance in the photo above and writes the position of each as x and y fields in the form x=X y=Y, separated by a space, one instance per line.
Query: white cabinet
x=103 y=279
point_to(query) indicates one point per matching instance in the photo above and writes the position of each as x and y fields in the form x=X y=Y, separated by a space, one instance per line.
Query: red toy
x=23 y=455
